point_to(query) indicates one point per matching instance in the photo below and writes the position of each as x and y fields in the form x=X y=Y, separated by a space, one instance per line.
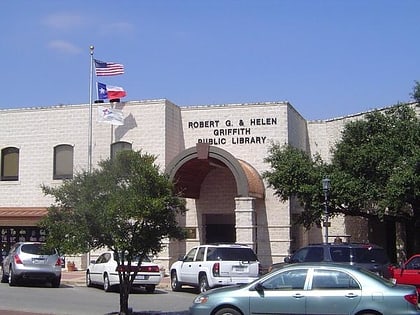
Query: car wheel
x=88 y=280
x=175 y=285
x=227 y=311
x=150 y=288
x=107 y=285
x=203 y=284
x=12 y=278
x=56 y=282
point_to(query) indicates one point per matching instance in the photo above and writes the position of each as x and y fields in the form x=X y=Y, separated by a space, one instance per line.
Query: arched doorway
x=224 y=189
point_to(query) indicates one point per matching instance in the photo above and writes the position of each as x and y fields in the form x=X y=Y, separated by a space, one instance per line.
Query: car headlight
x=201 y=299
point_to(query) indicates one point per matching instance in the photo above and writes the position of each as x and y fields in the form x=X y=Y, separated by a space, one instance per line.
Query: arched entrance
x=224 y=189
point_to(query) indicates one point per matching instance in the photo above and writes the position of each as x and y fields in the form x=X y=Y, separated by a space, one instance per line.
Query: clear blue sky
x=328 y=58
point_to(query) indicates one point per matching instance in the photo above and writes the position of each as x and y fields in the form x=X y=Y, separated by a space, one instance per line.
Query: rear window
x=240 y=254
x=370 y=255
x=37 y=249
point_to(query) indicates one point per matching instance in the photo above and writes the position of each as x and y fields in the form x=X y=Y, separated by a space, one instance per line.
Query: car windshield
x=37 y=249
x=235 y=254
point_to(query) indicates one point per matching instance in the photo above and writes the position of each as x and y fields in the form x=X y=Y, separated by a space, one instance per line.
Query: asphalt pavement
x=78 y=278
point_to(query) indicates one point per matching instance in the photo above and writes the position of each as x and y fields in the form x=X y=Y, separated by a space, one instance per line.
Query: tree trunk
x=125 y=287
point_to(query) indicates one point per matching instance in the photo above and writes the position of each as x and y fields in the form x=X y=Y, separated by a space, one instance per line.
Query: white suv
x=209 y=266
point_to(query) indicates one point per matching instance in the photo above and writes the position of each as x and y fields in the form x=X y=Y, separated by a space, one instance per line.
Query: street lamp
x=326 y=186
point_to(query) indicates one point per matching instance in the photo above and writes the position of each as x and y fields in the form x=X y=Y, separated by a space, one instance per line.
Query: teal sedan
x=311 y=288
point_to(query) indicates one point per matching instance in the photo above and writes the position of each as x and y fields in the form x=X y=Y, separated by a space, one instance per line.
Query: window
x=63 y=162
x=10 y=164
x=414 y=264
x=315 y=254
x=190 y=255
x=288 y=280
x=119 y=146
x=332 y=280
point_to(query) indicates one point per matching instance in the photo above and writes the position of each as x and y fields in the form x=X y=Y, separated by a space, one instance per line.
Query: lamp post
x=326 y=186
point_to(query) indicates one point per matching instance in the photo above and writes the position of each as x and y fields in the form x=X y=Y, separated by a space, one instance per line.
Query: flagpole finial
x=91 y=49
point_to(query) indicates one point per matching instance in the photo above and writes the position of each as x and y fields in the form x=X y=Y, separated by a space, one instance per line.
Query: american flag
x=108 y=68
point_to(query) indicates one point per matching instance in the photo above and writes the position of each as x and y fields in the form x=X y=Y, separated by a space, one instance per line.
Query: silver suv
x=31 y=261
x=209 y=266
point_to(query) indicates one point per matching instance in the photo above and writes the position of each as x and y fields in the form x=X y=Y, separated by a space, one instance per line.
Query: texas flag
x=110 y=92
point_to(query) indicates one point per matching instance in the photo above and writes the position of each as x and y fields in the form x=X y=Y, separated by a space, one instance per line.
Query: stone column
x=245 y=221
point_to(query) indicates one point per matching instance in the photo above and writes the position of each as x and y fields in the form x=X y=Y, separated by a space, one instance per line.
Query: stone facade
x=242 y=133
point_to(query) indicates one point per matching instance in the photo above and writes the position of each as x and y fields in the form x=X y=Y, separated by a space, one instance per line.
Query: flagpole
x=90 y=111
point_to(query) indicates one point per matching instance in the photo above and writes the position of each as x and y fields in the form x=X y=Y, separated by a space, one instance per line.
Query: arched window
x=10 y=164
x=119 y=146
x=63 y=161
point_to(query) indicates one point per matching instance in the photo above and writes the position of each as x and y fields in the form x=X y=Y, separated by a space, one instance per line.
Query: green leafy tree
x=125 y=205
x=416 y=92
x=376 y=166
x=294 y=173
x=375 y=172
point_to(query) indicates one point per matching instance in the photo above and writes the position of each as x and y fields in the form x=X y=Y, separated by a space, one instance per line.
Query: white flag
x=110 y=115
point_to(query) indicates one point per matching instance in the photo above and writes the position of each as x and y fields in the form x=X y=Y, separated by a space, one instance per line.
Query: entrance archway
x=207 y=164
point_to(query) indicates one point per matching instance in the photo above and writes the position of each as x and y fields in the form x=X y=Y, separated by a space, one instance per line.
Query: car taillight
x=17 y=260
x=149 y=269
x=58 y=262
x=216 y=269
x=412 y=298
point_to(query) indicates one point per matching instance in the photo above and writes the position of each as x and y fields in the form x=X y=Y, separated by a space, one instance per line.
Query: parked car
x=408 y=272
x=311 y=288
x=104 y=272
x=209 y=266
x=31 y=261
x=369 y=256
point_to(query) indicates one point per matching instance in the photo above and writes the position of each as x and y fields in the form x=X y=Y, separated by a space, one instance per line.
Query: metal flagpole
x=90 y=111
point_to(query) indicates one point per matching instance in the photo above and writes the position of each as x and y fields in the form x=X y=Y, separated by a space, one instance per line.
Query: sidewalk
x=78 y=278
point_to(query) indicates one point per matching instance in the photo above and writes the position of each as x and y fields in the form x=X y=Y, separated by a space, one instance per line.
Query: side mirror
x=287 y=259
x=259 y=287
x=181 y=257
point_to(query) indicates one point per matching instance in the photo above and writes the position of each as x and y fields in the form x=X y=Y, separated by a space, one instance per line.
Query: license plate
x=37 y=261
x=239 y=269
x=142 y=277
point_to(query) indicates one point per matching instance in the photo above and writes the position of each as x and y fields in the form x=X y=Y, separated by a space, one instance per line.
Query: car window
x=340 y=254
x=287 y=280
x=299 y=256
x=200 y=254
x=190 y=255
x=37 y=249
x=366 y=255
x=107 y=257
x=231 y=254
x=315 y=254
x=100 y=259
x=414 y=264
x=332 y=279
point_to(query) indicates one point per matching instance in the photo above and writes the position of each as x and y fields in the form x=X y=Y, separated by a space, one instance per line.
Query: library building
x=216 y=154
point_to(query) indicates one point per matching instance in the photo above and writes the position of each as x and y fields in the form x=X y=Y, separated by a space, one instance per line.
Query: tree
x=125 y=205
x=416 y=92
x=375 y=172
x=377 y=168
x=295 y=173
